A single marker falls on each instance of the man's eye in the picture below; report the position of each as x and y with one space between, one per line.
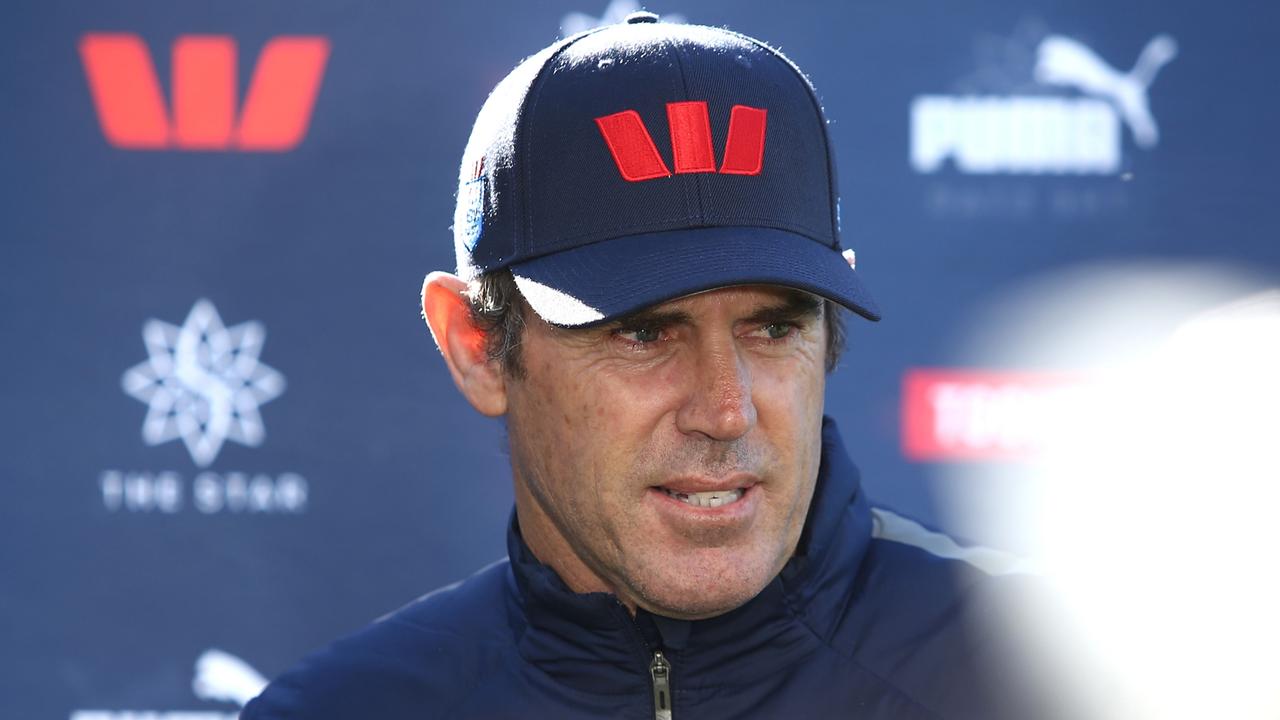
640 334
778 330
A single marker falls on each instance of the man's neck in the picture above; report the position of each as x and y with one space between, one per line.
550 548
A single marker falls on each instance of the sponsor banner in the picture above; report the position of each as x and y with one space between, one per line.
164 162
958 414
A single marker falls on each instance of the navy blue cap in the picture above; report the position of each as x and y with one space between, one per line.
644 161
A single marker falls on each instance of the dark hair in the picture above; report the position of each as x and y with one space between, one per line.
498 310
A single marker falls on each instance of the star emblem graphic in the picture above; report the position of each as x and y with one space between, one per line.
203 383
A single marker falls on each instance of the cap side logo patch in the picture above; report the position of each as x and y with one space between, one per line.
471 205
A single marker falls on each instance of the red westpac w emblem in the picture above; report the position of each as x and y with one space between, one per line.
691 148
131 109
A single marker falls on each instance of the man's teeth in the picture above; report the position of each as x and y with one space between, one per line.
716 498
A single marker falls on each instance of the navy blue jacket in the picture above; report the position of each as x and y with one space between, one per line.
859 624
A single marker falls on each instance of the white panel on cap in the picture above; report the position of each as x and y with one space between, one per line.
555 306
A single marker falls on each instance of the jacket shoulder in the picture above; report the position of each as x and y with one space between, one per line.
933 615
418 661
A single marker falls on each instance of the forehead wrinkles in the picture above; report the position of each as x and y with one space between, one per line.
750 300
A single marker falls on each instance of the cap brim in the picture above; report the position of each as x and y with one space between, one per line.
609 279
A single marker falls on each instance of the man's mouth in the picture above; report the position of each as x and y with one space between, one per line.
712 499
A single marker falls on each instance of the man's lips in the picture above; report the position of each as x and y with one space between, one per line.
721 508
707 493
699 484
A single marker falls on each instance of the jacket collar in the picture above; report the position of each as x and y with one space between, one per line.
586 639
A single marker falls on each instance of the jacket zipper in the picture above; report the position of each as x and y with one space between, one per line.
660 671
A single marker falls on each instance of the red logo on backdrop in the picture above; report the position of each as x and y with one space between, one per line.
977 415
132 112
637 157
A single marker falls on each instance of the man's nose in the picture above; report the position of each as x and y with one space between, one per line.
719 403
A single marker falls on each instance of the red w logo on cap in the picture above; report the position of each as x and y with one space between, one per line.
637 157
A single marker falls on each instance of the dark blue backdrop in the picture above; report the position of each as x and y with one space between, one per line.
344 476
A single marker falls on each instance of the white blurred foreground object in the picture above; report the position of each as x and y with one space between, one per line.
1157 524
223 677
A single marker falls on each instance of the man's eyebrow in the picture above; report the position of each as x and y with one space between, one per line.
651 317
796 306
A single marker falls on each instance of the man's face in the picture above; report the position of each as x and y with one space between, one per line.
670 458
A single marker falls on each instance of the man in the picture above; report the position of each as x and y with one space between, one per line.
649 283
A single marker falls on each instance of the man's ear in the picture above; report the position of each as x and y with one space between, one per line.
448 314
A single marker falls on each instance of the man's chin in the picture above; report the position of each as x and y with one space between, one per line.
703 608
697 594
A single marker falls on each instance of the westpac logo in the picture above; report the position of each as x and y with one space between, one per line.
692 151
132 112
1044 133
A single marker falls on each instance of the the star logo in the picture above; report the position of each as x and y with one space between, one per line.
203 382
